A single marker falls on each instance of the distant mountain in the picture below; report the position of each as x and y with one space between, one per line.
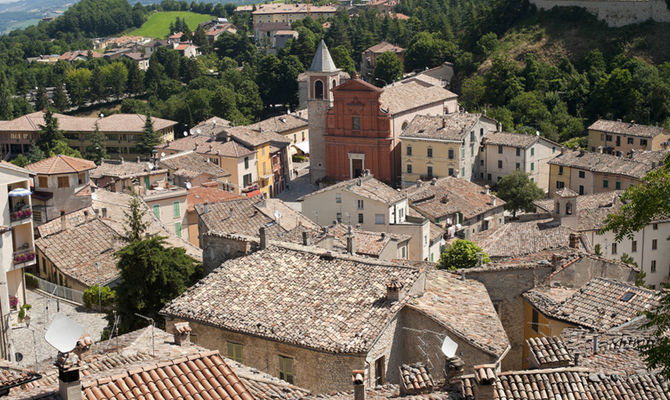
22 13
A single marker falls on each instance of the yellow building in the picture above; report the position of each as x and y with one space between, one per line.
123 132
589 173
600 305
619 138
287 13
293 127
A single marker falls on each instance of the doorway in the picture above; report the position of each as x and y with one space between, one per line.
356 167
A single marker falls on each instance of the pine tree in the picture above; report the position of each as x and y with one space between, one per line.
49 133
98 89
96 150
149 139
41 99
135 80
135 226
35 154
60 99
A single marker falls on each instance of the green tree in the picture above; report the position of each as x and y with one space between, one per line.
49 134
462 254
135 79
35 154
98 89
21 161
60 98
61 148
135 225
151 276
519 192
78 83
643 204
200 39
149 139
41 99
388 69
96 150
342 58
473 91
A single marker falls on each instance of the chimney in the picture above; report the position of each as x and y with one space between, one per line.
485 378
104 212
182 334
595 344
350 241
69 386
419 182
393 290
487 189
357 378
573 241
563 149
63 221
453 369
433 181
493 201
499 127
263 243
305 238
85 215
600 149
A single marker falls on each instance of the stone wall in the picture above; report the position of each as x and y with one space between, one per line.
580 272
219 248
615 13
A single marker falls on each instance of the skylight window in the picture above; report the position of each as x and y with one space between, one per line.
627 296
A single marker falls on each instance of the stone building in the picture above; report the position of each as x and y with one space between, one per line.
504 153
61 186
460 207
189 169
292 126
369 59
201 195
121 175
620 138
284 310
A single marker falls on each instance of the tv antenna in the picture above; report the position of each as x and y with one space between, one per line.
63 333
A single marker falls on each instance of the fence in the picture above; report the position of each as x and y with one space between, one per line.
60 291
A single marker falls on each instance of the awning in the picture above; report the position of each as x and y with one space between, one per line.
42 195
254 193
19 192
303 146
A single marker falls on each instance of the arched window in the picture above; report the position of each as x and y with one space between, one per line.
568 208
334 83
318 90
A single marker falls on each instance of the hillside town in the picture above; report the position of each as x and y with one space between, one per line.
370 236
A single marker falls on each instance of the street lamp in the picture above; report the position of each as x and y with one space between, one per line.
97 267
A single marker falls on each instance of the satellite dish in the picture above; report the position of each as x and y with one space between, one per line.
18 356
188 185
190 131
277 214
150 166
198 130
163 154
185 133
63 333
449 347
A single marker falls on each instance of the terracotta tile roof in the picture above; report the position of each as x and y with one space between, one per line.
60 164
264 386
122 123
191 164
200 194
366 243
451 127
549 350
650 157
133 123
395 15
281 124
601 304
416 378
382 47
366 186
447 196
281 8
253 137
601 162
510 139
11 376
137 56
405 96
515 238
124 169
297 295
210 127
75 251
209 145
72 55
592 209
627 128
387 392
464 308
618 351
572 383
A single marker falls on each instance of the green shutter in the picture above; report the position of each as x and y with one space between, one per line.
147 182
175 206
157 211
177 229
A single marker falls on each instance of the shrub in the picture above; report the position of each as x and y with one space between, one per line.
298 158
31 281
107 296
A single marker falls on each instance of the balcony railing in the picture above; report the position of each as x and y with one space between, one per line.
24 256
20 214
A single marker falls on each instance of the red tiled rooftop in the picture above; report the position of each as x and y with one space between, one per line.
60 164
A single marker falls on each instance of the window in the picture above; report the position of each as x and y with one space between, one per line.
286 369
532 151
147 182
613 248
175 206
560 184
295 137
451 172
43 181
429 152
654 227
488 177
379 219
451 154
633 246
44 264
303 136
157 211
409 150
500 149
429 171
63 181
234 351
608 138
379 371
360 204
535 324
617 185
518 166
403 252
481 132
81 178
356 123
630 140
472 136
318 90
532 166
409 168
338 198
246 162
518 152
338 217
481 162
654 244
500 164
553 149
582 174
360 218
560 170
581 189
247 180
643 142
463 172
606 183
653 265
177 229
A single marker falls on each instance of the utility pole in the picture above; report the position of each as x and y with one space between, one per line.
97 267
153 347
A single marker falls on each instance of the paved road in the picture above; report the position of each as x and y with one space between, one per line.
92 322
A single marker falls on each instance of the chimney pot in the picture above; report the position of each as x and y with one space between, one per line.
485 377
305 238
182 334
487 189
63 221
350 243
358 379
393 290
104 212
263 243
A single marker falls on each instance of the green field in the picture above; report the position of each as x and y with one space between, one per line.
158 24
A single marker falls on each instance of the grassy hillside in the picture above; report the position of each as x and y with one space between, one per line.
573 33
158 24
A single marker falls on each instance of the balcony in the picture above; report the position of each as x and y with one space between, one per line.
23 258
20 215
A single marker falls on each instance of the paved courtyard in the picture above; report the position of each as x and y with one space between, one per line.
22 337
